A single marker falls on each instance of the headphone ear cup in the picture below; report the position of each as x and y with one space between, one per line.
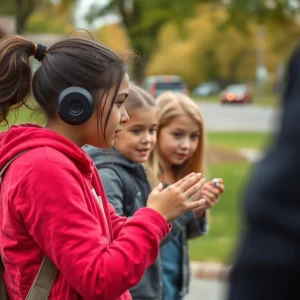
75 105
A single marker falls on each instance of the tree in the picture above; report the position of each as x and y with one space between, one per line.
22 9
143 21
212 51
263 11
119 42
50 19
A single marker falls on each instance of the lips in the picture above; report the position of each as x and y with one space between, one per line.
144 151
182 155
118 130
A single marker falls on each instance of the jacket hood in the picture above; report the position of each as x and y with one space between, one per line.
109 156
19 138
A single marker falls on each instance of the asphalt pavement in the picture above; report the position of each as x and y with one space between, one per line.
206 290
239 117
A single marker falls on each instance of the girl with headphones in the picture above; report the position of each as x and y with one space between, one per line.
53 208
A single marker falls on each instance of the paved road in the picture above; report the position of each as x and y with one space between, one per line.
206 290
238 117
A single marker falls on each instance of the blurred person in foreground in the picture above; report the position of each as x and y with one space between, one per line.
267 265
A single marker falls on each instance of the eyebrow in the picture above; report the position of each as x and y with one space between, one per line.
143 125
180 129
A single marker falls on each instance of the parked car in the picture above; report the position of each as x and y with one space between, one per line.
207 89
156 85
236 93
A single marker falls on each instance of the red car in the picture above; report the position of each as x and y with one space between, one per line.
236 93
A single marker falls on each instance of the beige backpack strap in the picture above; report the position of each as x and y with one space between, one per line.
45 278
43 282
2 171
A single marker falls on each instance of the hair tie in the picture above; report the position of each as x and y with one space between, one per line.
39 51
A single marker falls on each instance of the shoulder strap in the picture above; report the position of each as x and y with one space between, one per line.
43 282
45 278
2 171
128 198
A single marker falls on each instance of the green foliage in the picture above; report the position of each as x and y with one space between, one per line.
7 7
55 23
144 20
262 11
211 51
23 9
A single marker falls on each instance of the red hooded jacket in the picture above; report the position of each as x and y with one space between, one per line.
49 205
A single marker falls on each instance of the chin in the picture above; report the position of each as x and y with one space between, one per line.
142 160
177 163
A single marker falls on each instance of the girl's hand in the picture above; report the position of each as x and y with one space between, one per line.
175 200
211 192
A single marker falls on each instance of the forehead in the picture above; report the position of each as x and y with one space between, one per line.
184 123
124 86
143 116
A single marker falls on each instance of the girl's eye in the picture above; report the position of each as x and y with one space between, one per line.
177 135
152 130
135 131
194 137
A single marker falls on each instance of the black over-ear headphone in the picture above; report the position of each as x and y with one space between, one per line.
75 105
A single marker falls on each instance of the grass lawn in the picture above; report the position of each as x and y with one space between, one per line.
234 140
225 218
23 115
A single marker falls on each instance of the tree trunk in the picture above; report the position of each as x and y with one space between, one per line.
24 8
21 21
139 67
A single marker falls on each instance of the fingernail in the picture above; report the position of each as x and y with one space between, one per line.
203 201
199 175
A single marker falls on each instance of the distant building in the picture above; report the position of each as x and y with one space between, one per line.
46 39
7 25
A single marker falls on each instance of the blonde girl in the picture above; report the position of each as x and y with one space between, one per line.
180 149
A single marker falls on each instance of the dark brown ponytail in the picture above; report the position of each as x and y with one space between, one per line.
15 73
76 60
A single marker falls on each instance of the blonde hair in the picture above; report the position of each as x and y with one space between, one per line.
138 98
170 106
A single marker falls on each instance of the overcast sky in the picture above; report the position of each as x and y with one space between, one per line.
83 7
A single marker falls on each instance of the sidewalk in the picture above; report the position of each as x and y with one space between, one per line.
203 270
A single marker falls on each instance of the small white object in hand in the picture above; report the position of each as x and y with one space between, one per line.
215 182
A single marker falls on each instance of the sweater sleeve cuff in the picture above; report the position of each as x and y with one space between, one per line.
158 221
